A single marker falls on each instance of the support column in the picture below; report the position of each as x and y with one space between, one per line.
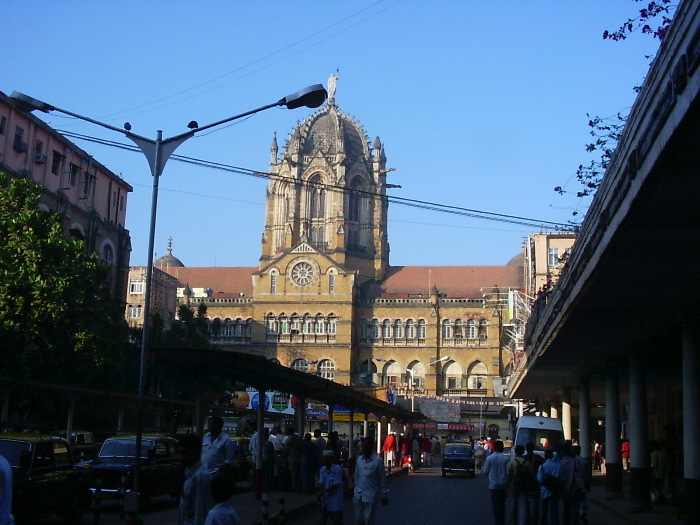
566 414
613 457
300 416
553 412
330 419
691 420
584 417
640 467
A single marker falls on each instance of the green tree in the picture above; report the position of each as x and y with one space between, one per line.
58 321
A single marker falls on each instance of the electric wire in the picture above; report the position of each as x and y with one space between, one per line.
415 203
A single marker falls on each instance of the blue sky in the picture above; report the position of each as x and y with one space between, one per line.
480 105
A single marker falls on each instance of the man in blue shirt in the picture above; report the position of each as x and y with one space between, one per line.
550 498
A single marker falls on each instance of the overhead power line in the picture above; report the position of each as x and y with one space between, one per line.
415 203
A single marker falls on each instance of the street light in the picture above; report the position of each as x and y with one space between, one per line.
157 153
413 385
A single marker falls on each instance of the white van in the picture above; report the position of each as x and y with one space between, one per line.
543 432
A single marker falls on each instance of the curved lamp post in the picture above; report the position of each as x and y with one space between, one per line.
157 153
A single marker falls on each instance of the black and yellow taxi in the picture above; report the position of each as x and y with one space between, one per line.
46 481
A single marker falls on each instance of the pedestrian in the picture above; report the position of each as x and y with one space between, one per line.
195 499
519 483
587 481
329 492
219 451
389 449
319 440
370 485
269 460
309 465
415 452
549 477
292 441
478 455
658 473
534 460
573 475
6 517
222 513
496 467
625 455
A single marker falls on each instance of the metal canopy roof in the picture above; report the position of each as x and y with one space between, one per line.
261 373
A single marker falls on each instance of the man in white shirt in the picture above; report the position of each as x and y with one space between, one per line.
496 467
370 485
218 450
329 492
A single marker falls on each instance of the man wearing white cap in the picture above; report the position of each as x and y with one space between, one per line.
330 490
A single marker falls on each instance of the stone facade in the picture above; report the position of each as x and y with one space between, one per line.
324 297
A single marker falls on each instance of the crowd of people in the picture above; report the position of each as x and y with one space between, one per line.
533 488
409 452
307 464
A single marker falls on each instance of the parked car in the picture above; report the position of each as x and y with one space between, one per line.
46 481
458 457
83 444
161 472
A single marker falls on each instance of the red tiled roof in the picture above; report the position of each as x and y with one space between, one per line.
401 281
233 280
455 281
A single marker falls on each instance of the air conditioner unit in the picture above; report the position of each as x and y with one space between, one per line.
40 158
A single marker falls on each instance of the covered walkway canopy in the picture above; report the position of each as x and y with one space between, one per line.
264 374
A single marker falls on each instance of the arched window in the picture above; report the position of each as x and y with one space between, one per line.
284 324
364 328
398 329
326 369
296 325
410 329
459 329
367 372
308 324
332 324
227 329
483 329
317 197
477 376
446 329
238 328
421 329
471 329
331 283
375 329
272 324
386 329
355 199
452 373
320 324
299 364
107 254
248 328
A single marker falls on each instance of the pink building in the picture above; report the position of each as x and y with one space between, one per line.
89 197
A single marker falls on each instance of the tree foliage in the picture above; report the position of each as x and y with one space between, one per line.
654 20
57 318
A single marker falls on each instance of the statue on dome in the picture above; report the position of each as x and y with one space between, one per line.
332 82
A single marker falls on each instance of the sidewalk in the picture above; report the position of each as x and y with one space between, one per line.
623 509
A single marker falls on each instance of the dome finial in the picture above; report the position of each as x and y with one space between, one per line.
170 245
